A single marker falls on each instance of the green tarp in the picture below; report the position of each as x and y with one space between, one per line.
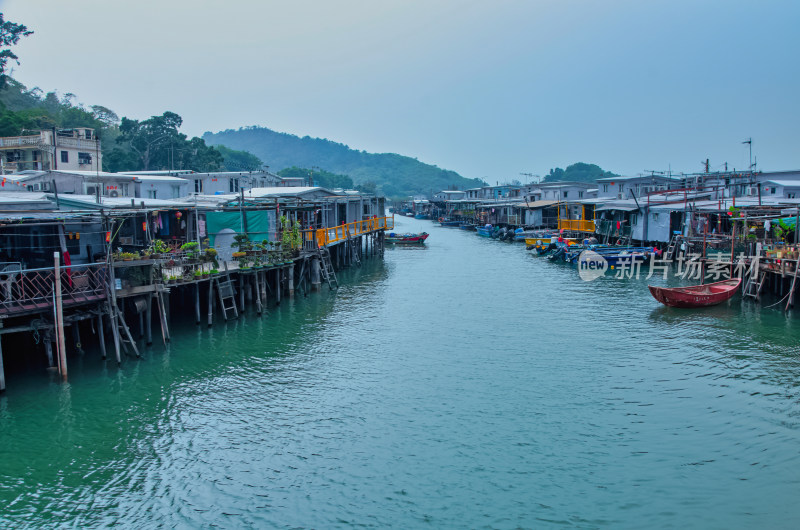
257 224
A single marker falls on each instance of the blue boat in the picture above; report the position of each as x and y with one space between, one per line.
485 231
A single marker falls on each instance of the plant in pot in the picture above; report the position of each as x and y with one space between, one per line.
211 256
157 248
214 272
242 243
198 274
191 248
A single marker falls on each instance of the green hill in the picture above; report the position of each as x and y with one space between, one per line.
579 172
391 174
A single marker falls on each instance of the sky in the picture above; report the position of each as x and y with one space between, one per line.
490 89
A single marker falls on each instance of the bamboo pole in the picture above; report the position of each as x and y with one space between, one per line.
62 350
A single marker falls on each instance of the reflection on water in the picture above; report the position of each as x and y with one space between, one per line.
461 384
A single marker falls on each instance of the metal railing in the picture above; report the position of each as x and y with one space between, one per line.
313 239
21 141
33 289
579 225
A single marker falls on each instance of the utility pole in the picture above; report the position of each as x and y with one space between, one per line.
705 165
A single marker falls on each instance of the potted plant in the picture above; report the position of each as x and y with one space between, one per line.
211 255
191 249
214 272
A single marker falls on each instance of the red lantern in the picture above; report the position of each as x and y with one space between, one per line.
178 215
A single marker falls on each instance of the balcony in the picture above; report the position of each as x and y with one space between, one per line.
21 142
577 225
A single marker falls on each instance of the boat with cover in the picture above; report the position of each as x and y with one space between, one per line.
406 239
696 295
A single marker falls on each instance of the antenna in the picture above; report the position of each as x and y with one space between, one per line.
749 143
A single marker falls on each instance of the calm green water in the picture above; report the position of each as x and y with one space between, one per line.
466 384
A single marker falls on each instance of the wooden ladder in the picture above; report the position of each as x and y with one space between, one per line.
672 248
227 295
755 281
354 252
326 268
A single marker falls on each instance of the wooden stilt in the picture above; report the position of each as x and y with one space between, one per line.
2 370
141 325
62 348
148 318
48 349
197 302
241 291
290 280
257 292
76 337
278 286
162 317
211 302
101 336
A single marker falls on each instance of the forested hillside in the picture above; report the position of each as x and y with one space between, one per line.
388 173
579 172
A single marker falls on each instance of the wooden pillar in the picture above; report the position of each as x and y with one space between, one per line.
148 320
278 286
210 302
316 281
197 302
2 371
101 335
290 280
76 337
59 324
48 349
257 291
241 291
141 324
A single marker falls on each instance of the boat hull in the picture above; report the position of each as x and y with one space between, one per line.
407 239
696 296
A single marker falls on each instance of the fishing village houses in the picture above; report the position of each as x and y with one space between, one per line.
87 255
744 222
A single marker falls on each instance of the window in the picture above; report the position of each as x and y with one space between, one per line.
580 195
655 217
791 195
176 192
772 190
233 185
565 194
605 187
634 219
151 194
198 185
84 158
65 157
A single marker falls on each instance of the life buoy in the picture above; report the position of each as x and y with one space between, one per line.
619 242
441 219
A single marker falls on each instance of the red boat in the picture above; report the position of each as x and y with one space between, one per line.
696 295
407 239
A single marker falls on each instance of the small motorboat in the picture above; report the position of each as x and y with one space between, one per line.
406 239
696 295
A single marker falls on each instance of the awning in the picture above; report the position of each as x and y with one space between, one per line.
625 208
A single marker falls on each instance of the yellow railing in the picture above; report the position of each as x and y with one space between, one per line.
579 225
326 236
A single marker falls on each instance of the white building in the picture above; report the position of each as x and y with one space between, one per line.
54 149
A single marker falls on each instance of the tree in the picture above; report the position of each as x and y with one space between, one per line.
145 138
10 33
233 160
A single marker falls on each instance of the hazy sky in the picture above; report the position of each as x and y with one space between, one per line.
486 88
